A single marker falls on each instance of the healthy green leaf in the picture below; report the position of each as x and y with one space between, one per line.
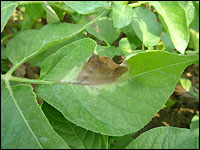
166 138
194 40
132 37
186 83
86 7
195 23
117 108
51 15
125 46
146 26
167 41
175 18
75 136
195 122
7 9
123 141
23 125
122 16
30 43
106 51
104 30
37 60
189 10
34 11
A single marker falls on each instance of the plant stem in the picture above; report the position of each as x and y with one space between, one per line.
142 46
108 45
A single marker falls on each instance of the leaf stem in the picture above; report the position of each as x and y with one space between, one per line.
142 46
107 43
35 81
18 79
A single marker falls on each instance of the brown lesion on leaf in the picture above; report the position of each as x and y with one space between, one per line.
100 70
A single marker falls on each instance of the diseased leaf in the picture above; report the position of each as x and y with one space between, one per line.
122 16
146 26
116 108
75 136
86 7
7 9
166 138
174 17
23 125
100 70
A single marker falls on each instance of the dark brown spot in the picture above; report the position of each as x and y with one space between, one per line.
100 70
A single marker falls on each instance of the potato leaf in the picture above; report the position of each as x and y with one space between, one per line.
115 108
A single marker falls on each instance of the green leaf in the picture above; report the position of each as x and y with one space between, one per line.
189 10
167 41
195 122
186 83
117 108
122 16
175 18
104 30
125 46
75 136
3 52
58 11
86 7
30 43
195 23
123 141
51 15
132 37
146 26
23 125
34 11
7 9
166 138
37 60
106 51
194 40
